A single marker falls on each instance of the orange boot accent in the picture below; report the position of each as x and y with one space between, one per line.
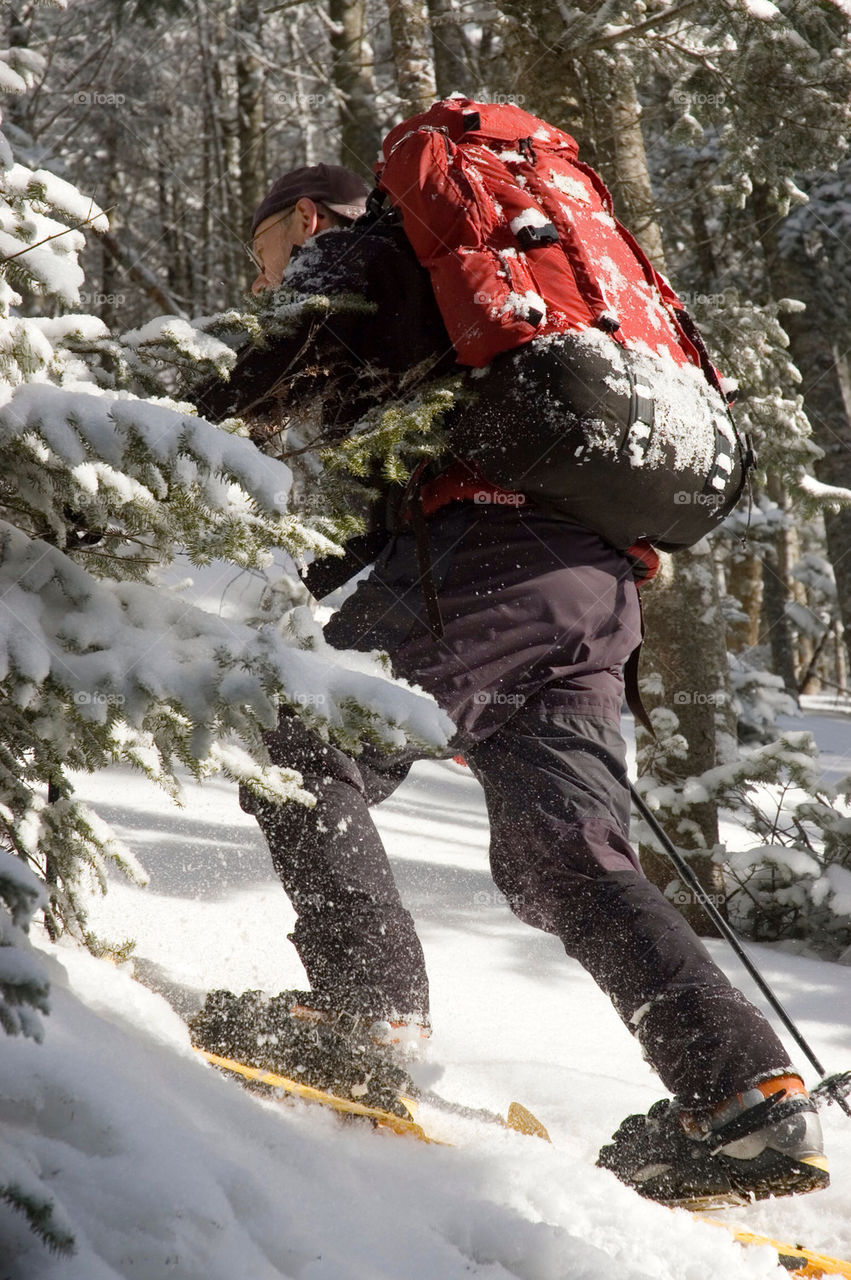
739 1102
791 1084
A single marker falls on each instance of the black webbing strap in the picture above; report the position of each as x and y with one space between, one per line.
642 411
432 604
630 681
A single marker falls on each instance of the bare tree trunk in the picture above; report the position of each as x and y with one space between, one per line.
775 624
702 237
510 61
360 133
813 348
412 54
113 278
802 641
686 643
776 627
222 221
179 280
623 143
451 51
810 681
686 653
251 119
744 582
840 657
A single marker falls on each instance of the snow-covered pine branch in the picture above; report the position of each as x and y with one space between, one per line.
118 650
821 496
142 481
794 879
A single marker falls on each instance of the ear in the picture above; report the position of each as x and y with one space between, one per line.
306 217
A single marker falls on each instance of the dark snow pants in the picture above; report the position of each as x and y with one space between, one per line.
539 617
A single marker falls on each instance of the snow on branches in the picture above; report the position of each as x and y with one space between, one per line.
792 878
130 651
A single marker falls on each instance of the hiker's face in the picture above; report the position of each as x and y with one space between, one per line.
277 236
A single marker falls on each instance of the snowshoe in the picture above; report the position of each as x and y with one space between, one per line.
764 1142
333 1050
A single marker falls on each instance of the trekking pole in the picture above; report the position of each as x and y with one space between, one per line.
834 1088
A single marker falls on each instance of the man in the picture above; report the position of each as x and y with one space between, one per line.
521 639
288 218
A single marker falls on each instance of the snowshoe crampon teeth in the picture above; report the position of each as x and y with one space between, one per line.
774 1149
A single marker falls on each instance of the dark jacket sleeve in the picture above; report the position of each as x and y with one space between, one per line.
351 353
351 360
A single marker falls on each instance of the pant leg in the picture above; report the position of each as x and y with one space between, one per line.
355 939
555 783
539 617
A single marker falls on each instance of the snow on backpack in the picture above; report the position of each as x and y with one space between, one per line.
597 398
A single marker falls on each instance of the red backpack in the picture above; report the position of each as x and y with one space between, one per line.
614 414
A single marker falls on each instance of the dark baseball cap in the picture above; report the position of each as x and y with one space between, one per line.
330 184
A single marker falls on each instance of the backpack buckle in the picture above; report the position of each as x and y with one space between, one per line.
531 237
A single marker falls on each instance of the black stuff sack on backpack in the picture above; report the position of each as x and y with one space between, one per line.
630 445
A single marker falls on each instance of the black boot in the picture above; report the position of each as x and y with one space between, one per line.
342 1052
765 1142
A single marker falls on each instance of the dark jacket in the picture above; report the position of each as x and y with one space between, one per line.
343 363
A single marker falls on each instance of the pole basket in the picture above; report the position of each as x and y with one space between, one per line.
835 1088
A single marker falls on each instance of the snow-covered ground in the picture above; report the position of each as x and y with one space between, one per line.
163 1168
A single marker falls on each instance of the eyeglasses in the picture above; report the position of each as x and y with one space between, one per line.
248 245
